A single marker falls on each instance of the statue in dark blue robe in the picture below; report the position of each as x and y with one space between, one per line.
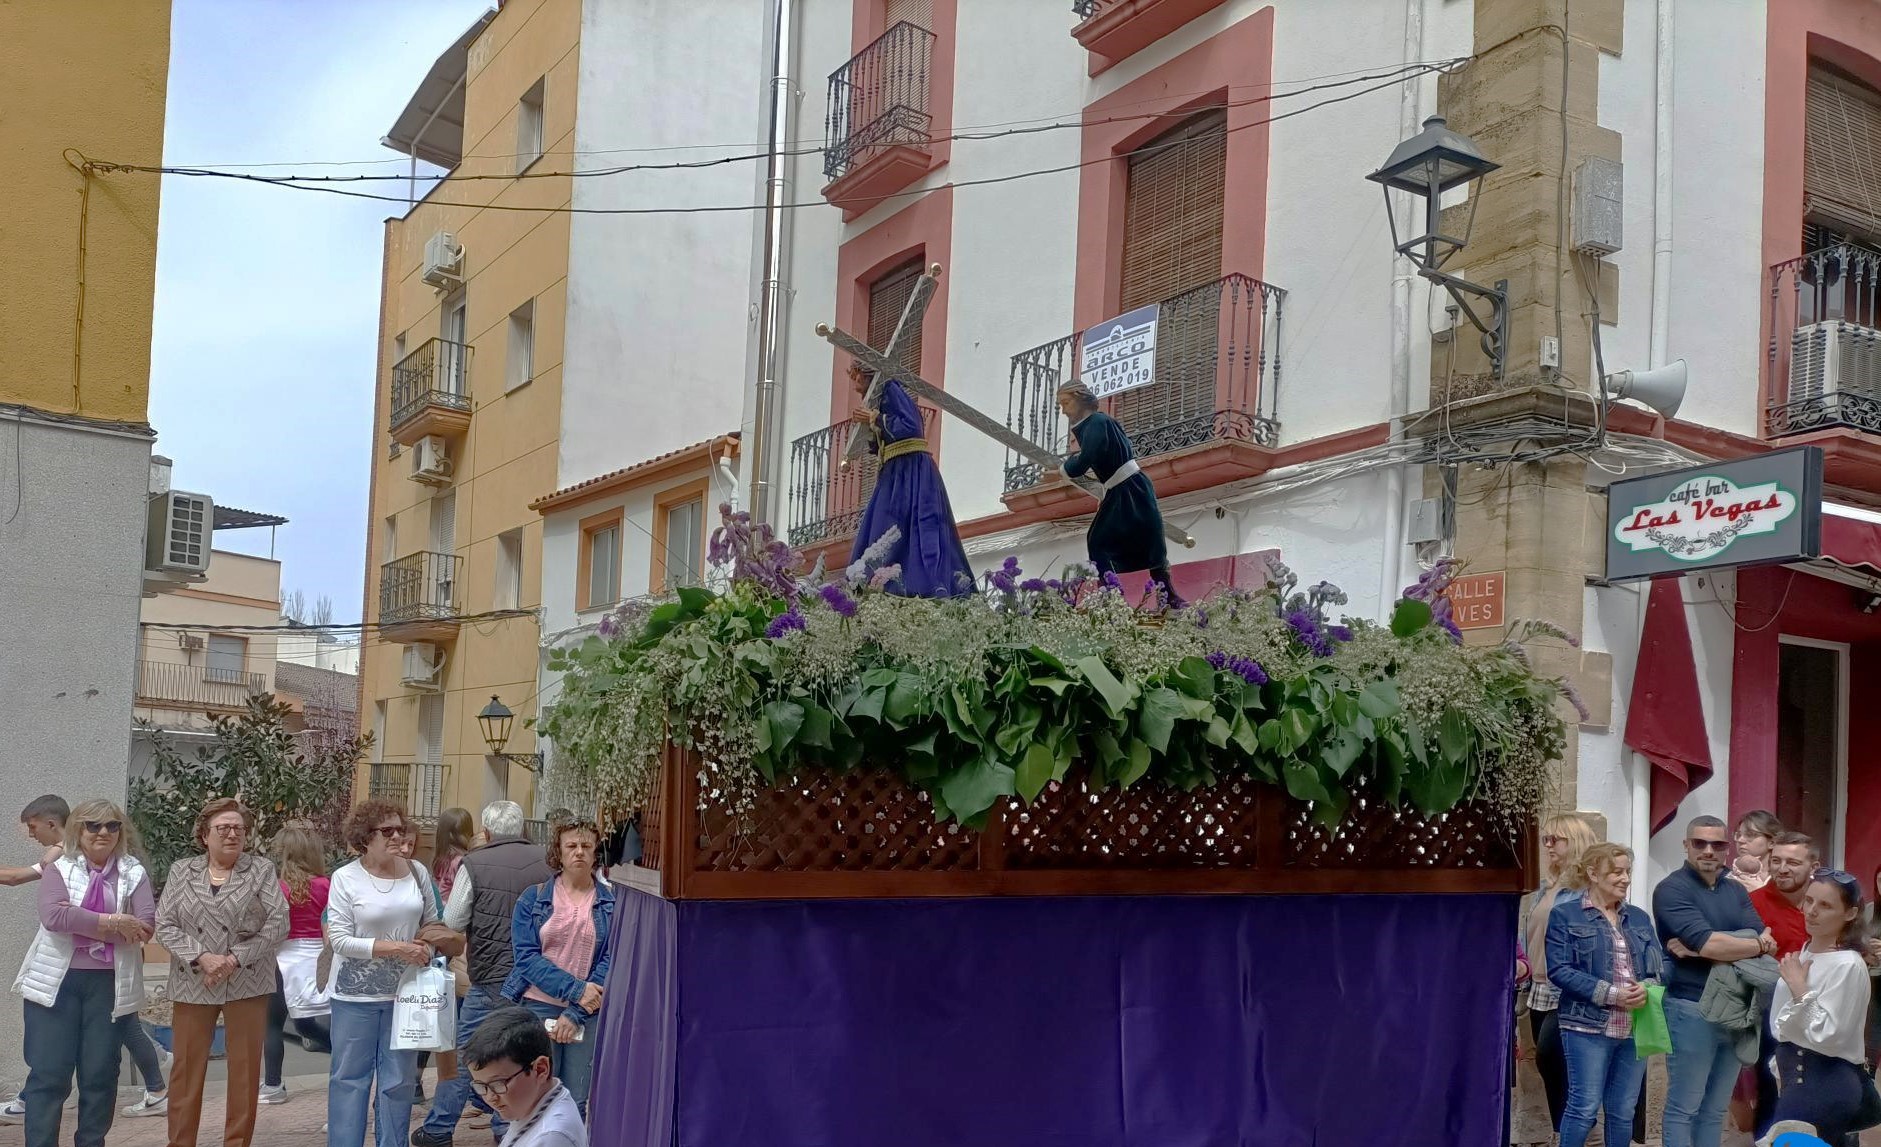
1127 533
910 496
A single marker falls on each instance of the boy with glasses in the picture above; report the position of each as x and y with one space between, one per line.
509 1062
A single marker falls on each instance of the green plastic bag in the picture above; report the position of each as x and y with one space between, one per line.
1650 1035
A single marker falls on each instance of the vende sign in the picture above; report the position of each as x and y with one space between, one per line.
1120 354
1748 512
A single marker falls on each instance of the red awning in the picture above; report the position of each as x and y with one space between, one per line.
1851 537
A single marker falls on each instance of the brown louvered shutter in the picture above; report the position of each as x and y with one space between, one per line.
1842 151
1172 221
888 295
920 13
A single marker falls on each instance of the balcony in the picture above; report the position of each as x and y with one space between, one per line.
877 136
169 685
1112 30
431 392
418 787
1217 368
390 781
827 497
420 597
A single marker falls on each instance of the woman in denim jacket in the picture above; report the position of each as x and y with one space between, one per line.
561 931
1601 954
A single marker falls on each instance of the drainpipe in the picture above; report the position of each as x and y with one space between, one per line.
772 292
1403 277
1656 356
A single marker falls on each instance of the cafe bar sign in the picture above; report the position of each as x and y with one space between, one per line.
1753 511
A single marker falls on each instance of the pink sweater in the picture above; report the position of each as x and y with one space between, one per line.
59 914
567 938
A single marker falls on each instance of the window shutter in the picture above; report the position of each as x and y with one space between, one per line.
888 297
1842 150
1172 224
917 12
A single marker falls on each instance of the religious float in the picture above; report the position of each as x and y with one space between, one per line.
1040 865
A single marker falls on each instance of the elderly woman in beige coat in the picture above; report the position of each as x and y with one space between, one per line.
221 918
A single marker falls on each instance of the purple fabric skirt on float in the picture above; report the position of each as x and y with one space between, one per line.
1200 1021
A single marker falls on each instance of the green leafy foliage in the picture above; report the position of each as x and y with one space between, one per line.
254 757
983 699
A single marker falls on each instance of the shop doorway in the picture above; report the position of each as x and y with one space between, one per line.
1812 741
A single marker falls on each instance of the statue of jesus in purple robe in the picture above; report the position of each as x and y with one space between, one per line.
910 496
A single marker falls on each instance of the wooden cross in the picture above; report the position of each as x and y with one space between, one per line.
887 364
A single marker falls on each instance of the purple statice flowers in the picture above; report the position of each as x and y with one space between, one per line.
789 621
838 599
1246 668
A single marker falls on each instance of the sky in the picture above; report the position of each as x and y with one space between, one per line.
263 352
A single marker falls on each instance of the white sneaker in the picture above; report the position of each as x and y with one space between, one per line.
14 1113
150 1104
273 1095
164 1060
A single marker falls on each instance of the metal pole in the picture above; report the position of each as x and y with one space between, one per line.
772 291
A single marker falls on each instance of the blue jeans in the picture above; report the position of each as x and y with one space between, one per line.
75 1036
1600 1071
447 1106
362 1054
1700 1073
573 1063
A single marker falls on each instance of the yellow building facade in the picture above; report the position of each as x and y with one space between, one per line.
468 401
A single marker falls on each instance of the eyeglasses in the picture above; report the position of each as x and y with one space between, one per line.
229 829
496 1087
392 831
1836 876
109 826
1713 845
1551 840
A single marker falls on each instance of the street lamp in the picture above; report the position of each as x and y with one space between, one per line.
1428 164
495 721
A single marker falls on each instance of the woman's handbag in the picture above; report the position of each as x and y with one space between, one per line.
424 1016
1651 1036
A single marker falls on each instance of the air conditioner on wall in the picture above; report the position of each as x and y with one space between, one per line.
1832 357
423 667
444 262
179 532
430 464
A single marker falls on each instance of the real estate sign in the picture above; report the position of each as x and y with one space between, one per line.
1753 511
1120 354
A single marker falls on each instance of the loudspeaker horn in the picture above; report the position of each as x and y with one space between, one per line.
1662 388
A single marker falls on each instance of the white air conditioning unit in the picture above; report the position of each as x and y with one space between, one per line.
429 462
444 262
189 642
178 534
422 668
1832 357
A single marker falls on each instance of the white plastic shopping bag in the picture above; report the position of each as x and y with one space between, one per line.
425 1016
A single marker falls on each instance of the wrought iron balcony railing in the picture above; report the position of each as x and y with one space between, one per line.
421 587
436 374
879 100
827 497
1217 369
197 686
1085 9
390 781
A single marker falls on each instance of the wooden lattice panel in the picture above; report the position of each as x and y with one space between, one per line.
650 821
863 821
1146 827
1374 835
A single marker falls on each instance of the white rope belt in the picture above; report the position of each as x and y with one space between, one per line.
1123 474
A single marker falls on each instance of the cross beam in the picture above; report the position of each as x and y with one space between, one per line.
886 367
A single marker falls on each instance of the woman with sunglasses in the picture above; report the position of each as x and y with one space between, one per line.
221 918
376 907
85 969
1820 1009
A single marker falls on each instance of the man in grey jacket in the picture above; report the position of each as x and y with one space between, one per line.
483 898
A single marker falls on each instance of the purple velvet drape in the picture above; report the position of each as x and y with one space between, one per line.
631 1100
1297 1021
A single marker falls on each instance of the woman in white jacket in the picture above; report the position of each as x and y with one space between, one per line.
84 970
1819 1010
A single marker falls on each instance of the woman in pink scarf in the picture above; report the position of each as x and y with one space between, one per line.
85 969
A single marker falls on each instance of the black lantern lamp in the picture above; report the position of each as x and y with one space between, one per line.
495 720
1428 164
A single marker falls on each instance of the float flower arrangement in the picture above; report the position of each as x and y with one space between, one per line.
998 694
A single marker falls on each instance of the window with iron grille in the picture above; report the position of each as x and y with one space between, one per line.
1172 240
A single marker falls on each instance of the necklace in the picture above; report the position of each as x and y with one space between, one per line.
383 891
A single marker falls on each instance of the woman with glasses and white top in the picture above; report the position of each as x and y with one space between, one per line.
85 969
1819 1011
376 907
